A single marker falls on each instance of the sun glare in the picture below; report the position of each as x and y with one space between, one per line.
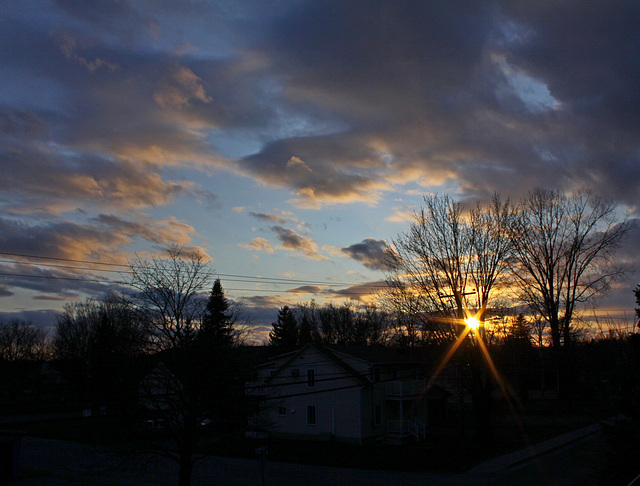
472 322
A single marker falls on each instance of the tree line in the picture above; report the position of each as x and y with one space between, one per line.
544 256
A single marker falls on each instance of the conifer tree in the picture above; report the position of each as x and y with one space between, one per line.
285 330
217 322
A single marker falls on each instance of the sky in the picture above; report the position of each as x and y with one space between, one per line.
292 140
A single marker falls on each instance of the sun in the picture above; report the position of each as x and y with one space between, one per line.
472 322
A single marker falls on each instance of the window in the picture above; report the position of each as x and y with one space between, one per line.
311 378
311 415
295 372
282 411
377 414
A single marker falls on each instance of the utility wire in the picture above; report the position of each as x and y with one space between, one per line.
79 279
52 277
62 266
22 255
248 278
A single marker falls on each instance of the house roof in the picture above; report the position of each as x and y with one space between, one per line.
375 355
335 353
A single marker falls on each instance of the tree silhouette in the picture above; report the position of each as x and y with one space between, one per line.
449 263
167 294
95 343
563 249
218 320
444 269
21 340
285 329
563 257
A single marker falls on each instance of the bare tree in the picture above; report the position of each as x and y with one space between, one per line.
346 323
95 344
491 247
20 340
75 329
563 248
104 326
445 269
167 292
450 261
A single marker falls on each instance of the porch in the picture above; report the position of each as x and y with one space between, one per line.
399 430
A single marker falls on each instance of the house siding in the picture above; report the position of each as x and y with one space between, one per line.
333 395
345 391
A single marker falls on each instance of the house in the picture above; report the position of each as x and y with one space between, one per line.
349 393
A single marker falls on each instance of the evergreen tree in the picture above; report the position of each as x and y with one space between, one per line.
217 322
305 332
285 330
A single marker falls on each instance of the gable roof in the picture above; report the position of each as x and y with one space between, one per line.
327 353
373 356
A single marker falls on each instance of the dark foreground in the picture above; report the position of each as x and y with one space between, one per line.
574 459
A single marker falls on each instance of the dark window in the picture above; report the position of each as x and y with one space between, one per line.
377 414
311 414
282 411
295 372
311 377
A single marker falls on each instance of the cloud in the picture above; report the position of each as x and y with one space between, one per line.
57 284
19 123
103 239
326 170
472 97
162 231
290 240
270 218
68 46
40 318
369 252
122 108
180 88
367 292
258 244
482 105
400 215
4 292
40 179
308 289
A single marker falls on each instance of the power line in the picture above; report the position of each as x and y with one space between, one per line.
62 266
248 278
241 278
22 255
84 279
53 277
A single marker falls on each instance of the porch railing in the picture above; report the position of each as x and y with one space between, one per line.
405 428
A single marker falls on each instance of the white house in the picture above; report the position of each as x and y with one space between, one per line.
350 393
